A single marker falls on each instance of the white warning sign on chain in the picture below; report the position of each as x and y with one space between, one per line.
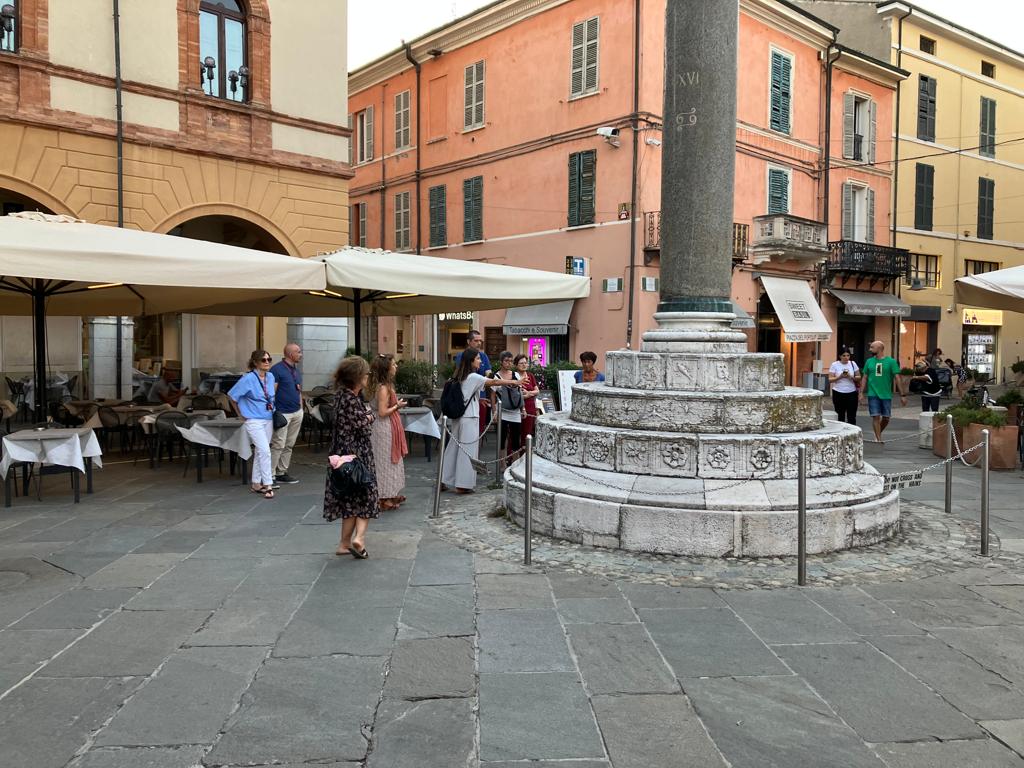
899 480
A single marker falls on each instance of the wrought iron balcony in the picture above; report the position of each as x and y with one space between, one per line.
850 259
782 237
652 238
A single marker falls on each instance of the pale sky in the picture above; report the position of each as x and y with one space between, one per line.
376 27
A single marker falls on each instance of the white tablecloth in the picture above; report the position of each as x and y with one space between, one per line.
421 421
61 447
228 434
56 388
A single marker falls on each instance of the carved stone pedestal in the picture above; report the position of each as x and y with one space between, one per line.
690 448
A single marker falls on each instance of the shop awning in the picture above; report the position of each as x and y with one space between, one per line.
799 313
539 319
743 319
870 303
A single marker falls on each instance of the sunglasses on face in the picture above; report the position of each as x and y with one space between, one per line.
265 359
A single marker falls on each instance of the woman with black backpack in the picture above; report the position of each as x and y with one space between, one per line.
464 440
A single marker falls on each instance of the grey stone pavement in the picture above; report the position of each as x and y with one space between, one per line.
165 624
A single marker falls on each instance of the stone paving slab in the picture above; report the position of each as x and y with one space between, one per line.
22 651
966 612
619 658
323 626
1011 597
433 668
251 616
438 611
45 720
76 609
188 699
496 592
159 757
962 754
437 733
595 610
522 640
194 584
877 698
303 710
746 715
127 643
184 542
442 566
133 571
558 724
284 570
999 649
709 643
787 616
1009 732
860 612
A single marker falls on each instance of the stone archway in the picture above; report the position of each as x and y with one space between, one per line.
241 219
17 195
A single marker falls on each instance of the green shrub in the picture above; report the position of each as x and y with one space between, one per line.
414 377
907 372
444 372
990 418
1010 397
965 412
365 355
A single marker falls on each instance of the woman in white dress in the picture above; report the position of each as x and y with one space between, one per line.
464 442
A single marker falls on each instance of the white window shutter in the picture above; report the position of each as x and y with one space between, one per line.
849 122
351 141
591 59
872 130
478 107
368 130
869 235
576 72
847 212
468 104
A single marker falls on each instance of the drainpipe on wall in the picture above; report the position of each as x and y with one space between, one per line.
118 108
419 199
635 123
826 197
896 178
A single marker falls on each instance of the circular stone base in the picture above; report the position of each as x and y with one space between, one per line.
710 518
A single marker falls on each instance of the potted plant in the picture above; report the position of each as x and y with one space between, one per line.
1012 400
1002 438
1018 371
963 413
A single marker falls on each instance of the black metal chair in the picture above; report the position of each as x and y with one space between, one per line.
62 415
320 389
111 424
204 403
17 392
165 434
323 426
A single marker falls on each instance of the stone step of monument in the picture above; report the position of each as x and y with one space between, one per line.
833 449
789 410
711 518
746 372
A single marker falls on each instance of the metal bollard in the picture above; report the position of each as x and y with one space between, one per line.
801 516
985 455
440 468
528 505
949 465
497 449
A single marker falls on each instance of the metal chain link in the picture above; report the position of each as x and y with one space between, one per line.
960 454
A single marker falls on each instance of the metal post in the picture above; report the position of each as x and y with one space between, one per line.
985 454
497 450
440 468
528 505
801 516
949 465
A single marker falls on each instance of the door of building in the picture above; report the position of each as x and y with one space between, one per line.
495 343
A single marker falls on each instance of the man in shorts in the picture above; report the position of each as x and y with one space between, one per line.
880 373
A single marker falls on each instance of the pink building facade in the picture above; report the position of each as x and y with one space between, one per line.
529 134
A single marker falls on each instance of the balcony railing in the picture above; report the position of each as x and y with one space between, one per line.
652 236
782 236
867 260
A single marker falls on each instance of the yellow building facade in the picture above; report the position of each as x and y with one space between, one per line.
958 204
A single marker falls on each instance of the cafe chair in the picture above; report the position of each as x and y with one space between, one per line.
166 435
17 393
204 403
111 424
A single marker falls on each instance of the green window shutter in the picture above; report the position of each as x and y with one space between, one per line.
574 189
588 169
849 120
926 90
781 71
872 132
438 216
924 191
847 212
869 234
778 191
472 209
986 207
987 139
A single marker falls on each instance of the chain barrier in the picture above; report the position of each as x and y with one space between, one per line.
960 454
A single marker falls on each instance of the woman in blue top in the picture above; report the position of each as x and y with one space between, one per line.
589 372
253 398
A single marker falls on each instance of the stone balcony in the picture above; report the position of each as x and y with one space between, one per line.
652 239
784 237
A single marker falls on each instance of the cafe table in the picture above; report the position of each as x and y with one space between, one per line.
76 448
227 434
421 421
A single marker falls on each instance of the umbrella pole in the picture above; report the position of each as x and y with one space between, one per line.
39 326
358 321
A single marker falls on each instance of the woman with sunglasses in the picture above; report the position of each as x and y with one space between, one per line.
253 399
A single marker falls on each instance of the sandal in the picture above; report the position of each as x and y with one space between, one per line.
358 553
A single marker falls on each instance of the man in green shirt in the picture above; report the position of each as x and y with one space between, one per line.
880 373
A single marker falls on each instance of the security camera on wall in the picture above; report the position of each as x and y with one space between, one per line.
610 134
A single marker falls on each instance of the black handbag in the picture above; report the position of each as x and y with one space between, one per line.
351 477
280 422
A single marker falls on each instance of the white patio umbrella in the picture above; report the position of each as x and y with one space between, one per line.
62 266
366 282
1002 289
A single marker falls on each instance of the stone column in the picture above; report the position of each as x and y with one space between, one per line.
323 341
103 357
698 155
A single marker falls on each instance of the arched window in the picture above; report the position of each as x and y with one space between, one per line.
222 49
9 26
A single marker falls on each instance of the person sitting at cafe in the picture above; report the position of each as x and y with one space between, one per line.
165 390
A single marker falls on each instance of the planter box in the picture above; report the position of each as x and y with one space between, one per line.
1002 445
939 437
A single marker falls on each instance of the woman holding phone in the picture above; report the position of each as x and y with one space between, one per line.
844 376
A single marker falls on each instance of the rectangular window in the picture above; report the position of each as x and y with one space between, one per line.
364 135
925 268
582 167
924 196
9 37
778 190
438 216
402 120
987 138
473 209
986 207
927 45
926 88
858 220
781 91
988 69
975 267
611 285
649 284
583 79
402 221
859 128
357 227
474 101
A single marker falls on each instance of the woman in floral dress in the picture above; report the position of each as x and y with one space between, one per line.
387 434
351 437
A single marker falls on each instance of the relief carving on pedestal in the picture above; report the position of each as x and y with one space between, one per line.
651 376
762 458
686 373
635 455
676 456
718 458
570 445
598 450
